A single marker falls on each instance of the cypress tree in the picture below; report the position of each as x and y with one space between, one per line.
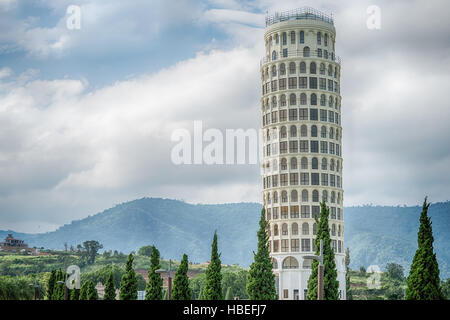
181 289
155 282
110 290
423 282
51 284
213 283
228 294
260 278
330 283
74 294
84 291
91 291
58 289
128 284
348 290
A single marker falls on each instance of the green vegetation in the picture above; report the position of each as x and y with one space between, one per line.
348 288
110 289
129 283
330 283
213 286
154 285
261 280
181 289
423 282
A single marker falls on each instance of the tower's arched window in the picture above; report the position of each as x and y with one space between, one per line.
268 198
306 51
277 38
331 133
322 68
274 70
323 100
292 67
290 263
315 196
268 218
332 196
323 132
274 264
292 37
314 131
337 166
325 40
275 230
293 131
313 99
283 133
302 67
335 72
330 101
274 55
284 197
305 229
333 229
339 230
314 163
282 69
292 99
314 228
274 102
284 229
332 164
302 37
324 164
325 195
275 197
294 196
294 229
330 70
337 134
283 164
338 198
304 163
303 99
294 163
319 37
283 100
304 130
312 68
284 38
305 195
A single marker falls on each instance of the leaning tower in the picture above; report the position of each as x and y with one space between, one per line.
302 146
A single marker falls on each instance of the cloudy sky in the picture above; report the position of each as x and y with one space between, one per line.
86 115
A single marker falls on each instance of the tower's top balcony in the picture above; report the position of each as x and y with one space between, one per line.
298 14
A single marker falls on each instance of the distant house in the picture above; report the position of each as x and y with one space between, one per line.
12 244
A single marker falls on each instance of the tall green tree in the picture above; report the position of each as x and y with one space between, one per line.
110 290
90 251
155 281
51 284
213 284
74 294
330 283
91 293
84 290
59 286
129 284
423 282
348 289
181 289
260 278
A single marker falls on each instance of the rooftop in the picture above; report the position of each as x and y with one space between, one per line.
297 14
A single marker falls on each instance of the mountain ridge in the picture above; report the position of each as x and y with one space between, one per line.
374 234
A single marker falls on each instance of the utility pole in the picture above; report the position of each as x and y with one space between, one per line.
169 279
320 273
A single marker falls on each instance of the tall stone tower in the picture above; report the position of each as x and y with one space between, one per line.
302 146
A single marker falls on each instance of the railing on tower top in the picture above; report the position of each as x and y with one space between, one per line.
300 53
297 14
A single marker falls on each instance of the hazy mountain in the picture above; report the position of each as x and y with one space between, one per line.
374 234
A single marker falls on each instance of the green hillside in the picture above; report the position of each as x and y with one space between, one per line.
374 234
